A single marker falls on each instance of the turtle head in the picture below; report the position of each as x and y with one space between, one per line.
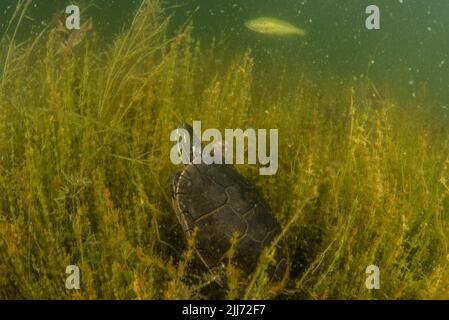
187 137
187 127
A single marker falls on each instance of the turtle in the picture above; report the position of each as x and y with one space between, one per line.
219 203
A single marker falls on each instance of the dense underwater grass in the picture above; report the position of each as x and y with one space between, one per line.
84 173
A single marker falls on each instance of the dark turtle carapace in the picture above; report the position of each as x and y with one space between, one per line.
219 203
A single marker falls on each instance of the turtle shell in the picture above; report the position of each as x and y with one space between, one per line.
218 201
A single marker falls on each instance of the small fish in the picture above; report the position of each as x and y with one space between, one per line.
275 27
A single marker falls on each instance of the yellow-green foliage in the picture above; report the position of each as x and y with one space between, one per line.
85 168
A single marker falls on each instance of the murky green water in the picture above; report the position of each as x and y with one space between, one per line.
409 54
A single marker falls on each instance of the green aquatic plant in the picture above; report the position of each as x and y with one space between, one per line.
85 167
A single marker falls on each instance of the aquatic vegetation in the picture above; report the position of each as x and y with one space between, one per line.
85 169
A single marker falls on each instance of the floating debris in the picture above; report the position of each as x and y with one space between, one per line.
275 27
